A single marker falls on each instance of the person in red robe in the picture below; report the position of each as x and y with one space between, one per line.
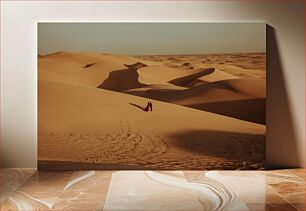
149 107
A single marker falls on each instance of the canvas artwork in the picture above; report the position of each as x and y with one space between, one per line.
179 96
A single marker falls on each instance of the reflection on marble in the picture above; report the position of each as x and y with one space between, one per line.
153 190
287 184
39 192
11 179
86 191
149 190
299 206
298 172
213 193
271 207
248 186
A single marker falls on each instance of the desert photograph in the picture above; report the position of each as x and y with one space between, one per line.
158 96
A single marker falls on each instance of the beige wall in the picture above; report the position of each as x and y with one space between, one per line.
286 67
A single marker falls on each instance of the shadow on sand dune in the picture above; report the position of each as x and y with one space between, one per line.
253 110
182 150
137 106
187 80
58 165
124 79
171 95
237 150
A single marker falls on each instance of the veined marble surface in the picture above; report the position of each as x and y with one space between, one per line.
12 179
149 190
27 189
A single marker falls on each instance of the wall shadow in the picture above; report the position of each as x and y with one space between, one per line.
281 140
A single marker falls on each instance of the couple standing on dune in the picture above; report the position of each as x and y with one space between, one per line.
149 106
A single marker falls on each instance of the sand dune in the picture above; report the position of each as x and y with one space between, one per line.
94 135
158 74
246 109
225 90
222 93
89 57
245 61
217 75
58 96
189 79
238 71
88 69
205 112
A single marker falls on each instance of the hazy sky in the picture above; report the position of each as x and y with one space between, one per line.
152 38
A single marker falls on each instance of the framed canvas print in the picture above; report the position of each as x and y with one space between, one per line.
151 96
